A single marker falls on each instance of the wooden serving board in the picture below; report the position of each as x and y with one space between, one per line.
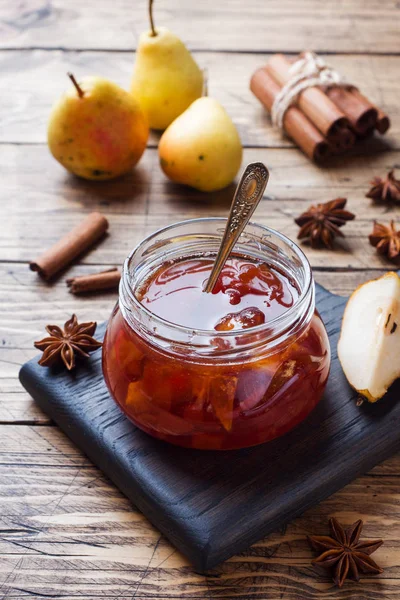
211 504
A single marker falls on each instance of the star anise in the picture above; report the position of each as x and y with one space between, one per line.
386 239
343 553
320 224
64 344
385 190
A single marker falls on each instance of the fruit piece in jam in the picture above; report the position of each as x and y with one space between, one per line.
218 403
248 317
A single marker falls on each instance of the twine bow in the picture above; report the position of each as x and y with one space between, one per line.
308 71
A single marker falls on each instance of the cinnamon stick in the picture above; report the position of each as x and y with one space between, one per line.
368 133
383 122
295 123
79 239
96 282
361 114
321 111
342 141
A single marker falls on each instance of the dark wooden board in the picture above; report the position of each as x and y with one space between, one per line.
212 505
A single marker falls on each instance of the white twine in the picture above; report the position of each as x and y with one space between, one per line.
309 71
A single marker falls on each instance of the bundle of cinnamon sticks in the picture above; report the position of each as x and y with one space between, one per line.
324 121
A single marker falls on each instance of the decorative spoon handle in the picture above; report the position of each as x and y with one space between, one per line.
247 196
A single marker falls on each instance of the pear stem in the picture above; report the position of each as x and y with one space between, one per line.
80 91
204 91
153 31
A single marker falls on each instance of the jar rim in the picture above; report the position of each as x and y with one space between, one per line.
127 284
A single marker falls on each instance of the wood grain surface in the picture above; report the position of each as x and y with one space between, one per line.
65 530
364 26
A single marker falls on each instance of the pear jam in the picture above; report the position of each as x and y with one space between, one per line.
250 389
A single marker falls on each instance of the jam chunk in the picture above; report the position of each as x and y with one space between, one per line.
248 317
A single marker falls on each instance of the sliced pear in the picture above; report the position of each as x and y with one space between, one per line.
369 344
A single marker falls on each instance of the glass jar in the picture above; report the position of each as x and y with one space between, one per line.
212 389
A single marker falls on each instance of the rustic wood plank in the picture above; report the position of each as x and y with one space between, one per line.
278 25
142 202
38 304
74 534
31 304
16 406
38 77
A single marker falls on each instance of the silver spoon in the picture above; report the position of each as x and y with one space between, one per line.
247 196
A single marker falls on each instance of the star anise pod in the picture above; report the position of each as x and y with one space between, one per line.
320 224
343 553
63 345
386 239
385 190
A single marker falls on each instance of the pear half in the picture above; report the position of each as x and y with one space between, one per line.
369 344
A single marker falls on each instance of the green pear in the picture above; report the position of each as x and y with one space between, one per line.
166 79
202 147
97 130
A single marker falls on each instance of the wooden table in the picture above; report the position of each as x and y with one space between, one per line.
66 532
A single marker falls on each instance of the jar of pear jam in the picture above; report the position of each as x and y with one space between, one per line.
233 368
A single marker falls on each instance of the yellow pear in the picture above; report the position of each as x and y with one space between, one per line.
97 130
202 147
166 79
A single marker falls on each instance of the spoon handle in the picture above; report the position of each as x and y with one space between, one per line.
247 196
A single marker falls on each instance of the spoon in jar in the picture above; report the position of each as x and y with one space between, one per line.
246 199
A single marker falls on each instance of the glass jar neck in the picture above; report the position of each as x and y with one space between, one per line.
201 238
